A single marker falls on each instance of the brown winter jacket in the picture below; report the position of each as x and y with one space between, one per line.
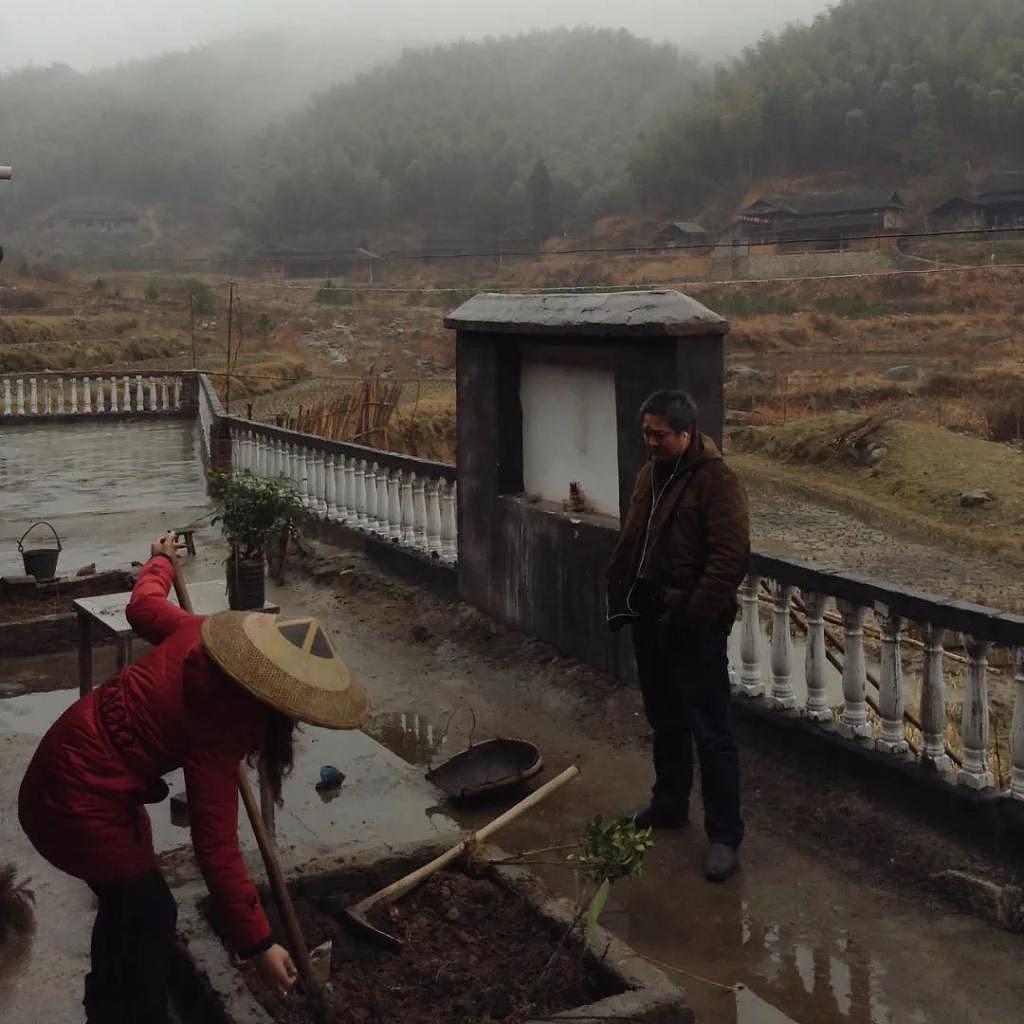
699 541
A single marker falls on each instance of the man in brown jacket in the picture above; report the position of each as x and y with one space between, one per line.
681 556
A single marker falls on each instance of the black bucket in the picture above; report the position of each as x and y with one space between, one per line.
246 584
40 562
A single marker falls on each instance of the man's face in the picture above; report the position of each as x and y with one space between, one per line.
662 441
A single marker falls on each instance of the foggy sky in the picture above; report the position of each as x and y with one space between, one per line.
96 33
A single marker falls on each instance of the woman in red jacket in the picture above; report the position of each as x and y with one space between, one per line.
211 692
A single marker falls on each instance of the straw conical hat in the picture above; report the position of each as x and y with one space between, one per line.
290 665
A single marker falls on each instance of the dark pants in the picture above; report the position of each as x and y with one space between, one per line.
684 677
132 942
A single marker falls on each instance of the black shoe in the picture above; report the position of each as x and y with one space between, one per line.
660 816
722 863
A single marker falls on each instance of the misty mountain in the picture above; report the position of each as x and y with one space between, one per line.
879 88
467 137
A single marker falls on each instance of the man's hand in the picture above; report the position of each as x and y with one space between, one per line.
165 544
276 968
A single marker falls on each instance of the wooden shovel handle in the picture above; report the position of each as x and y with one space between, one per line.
415 878
181 590
280 890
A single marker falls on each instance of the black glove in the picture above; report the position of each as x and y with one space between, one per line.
647 599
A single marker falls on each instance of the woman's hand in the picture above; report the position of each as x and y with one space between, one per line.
166 544
276 968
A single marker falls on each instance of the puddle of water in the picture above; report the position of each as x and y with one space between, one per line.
408 734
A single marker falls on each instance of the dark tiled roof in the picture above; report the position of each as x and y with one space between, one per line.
1001 183
819 203
688 227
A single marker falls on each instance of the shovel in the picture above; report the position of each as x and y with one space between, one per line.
311 978
356 915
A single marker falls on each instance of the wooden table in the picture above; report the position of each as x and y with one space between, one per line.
104 617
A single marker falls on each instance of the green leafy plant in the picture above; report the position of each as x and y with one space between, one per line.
611 851
16 902
152 293
252 509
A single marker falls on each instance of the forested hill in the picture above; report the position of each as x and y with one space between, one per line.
873 86
469 137
167 130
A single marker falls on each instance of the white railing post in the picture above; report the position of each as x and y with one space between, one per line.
47 396
750 639
153 407
419 512
372 521
893 739
101 396
382 500
233 434
351 492
140 402
854 722
340 488
394 505
19 387
302 456
7 397
434 517
86 395
177 392
450 523
933 702
782 696
408 532
320 459
33 397
128 395
975 772
330 486
73 384
165 398
816 658
362 495
288 462
1017 740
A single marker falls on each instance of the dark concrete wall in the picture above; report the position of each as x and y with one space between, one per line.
533 565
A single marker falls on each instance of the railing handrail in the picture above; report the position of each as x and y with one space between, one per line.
391 460
95 373
211 395
981 622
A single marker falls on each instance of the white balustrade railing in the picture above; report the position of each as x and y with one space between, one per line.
73 394
407 501
888 628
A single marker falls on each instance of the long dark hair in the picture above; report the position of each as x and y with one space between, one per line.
276 756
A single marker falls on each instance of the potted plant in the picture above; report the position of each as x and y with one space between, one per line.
253 512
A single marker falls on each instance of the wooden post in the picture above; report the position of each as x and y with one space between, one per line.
84 654
231 315
192 325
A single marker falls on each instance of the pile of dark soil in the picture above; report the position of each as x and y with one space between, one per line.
472 951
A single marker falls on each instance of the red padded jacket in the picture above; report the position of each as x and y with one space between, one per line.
81 798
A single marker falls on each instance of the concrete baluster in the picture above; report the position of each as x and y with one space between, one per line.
815 658
394 505
382 501
750 639
47 396
304 475
73 383
86 395
320 459
7 398
20 396
782 696
128 396
257 453
854 722
101 396
890 695
165 397
933 702
289 463
153 407
1017 739
362 501
140 401
372 519
419 512
341 486
233 434
434 517
330 486
449 523
33 397
975 772
177 392
408 532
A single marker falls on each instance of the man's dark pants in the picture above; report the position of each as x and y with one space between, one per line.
684 677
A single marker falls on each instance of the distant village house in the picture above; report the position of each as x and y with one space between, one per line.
97 218
318 256
822 222
683 234
998 203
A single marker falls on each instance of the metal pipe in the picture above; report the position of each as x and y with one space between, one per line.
6 173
